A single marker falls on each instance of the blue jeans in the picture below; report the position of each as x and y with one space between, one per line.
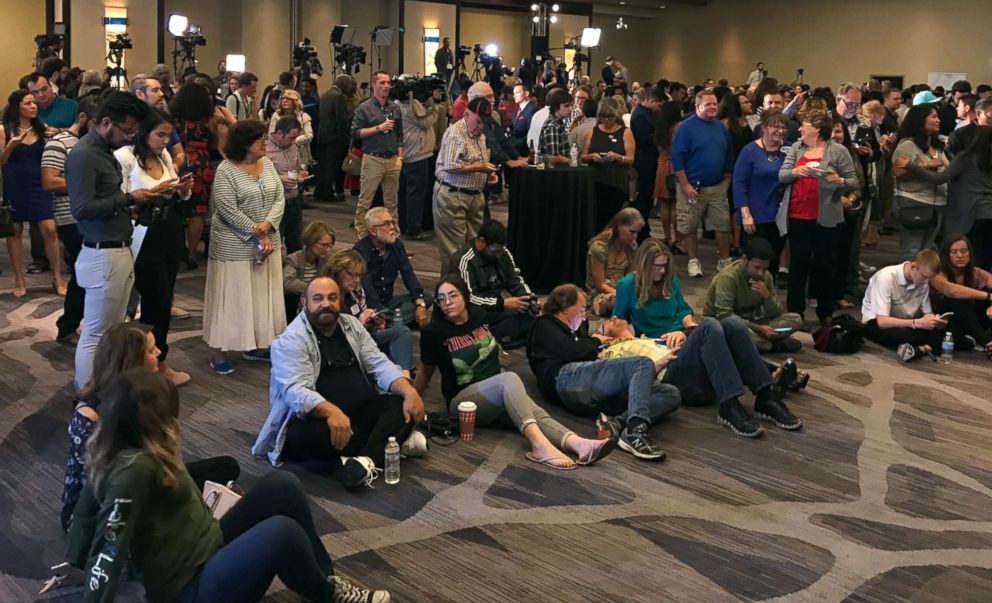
625 387
268 533
716 361
397 344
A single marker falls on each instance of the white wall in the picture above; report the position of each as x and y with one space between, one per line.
417 16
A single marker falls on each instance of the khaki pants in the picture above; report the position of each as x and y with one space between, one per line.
790 319
457 219
376 171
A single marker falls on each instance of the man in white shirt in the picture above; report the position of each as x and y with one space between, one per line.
896 309
536 125
754 78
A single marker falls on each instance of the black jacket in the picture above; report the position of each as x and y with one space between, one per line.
335 119
551 345
501 149
486 281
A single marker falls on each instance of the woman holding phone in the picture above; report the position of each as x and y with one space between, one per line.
160 230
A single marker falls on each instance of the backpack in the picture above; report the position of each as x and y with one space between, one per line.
841 335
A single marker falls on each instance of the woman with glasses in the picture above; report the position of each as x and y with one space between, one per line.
610 258
300 267
458 341
714 360
347 267
291 105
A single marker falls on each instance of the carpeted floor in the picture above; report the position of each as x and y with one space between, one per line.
886 495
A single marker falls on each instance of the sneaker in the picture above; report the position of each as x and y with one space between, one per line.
774 410
356 471
610 425
36 268
415 446
178 313
739 421
908 352
257 356
636 442
346 592
974 344
221 368
695 268
723 263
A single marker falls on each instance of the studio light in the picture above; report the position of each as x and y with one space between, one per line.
178 25
555 7
590 37
235 63
620 23
492 50
534 7
535 19
553 18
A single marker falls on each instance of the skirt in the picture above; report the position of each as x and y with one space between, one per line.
243 307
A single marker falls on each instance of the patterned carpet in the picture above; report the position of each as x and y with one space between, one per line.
886 495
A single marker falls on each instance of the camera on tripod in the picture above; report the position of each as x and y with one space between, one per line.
422 88
305 59
463 51
350 57
193 37
121 42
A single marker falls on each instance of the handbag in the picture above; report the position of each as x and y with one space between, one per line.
352 164
918 215
6 221
218 498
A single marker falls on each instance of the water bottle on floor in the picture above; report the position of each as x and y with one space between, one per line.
392 462
947 348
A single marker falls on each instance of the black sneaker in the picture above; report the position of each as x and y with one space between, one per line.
611 425
775 411
786 377
346 592
739 421
636 442
356 471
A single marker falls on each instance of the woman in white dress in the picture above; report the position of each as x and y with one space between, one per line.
243 305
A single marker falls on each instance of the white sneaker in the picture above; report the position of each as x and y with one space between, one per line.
346 592
723 263
695 267
178 313
415 446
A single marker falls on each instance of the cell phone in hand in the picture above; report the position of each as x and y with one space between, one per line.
946 315
784 329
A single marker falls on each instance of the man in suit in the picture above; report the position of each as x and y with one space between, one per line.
444 61
333 138
608 72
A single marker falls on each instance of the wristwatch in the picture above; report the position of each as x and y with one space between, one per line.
421 303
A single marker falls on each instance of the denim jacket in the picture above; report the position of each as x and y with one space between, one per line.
295 367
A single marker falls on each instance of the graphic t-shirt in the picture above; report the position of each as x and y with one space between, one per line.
464 354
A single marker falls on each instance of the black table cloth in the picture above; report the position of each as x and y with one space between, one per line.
552 216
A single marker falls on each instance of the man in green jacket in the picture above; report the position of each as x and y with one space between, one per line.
747 289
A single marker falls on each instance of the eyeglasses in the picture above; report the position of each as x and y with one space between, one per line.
443 299
324 245
389 223
354 274
127 132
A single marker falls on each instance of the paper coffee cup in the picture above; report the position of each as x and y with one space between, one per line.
466 420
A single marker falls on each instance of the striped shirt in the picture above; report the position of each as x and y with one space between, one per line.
241 201
53 157
458 149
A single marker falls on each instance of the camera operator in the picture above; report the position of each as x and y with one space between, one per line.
419 117
378 124
444 61
333 138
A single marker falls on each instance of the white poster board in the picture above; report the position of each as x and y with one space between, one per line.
944 78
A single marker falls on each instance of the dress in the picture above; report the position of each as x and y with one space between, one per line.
22 183
196 137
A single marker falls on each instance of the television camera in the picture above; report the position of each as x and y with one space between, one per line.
422 88
305 60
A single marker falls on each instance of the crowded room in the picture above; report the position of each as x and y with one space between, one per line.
433 301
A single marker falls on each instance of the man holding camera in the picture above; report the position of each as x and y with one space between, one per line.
379 125
494 284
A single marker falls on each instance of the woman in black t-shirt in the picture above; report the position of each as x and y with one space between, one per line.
459 342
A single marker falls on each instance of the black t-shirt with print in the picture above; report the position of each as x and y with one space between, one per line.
464 354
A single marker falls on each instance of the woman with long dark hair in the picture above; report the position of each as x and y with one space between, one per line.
22 141
920 201
732 115
160 229
966 290
142 508
667 120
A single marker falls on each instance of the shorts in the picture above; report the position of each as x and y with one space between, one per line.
710 208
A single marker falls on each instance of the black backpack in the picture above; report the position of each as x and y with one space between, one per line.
841 335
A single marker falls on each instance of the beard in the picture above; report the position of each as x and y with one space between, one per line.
323 318
388 239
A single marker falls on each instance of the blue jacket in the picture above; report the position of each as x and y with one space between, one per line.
295 368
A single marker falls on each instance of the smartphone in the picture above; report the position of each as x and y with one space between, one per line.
784 329
946 315
186 176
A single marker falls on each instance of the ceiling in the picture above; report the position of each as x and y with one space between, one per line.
642 8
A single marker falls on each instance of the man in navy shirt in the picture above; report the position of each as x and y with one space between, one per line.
385 259
702 156
646 153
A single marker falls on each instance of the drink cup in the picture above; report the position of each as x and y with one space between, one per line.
466 420
292 175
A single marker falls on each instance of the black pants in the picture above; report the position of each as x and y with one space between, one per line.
155 272
510 326
769 232
269 533
644 200
609 200
847 260
812 252
414 195
72 311
218 469
892 338
981 243
969 319
330 176
373 422
291 227
38 255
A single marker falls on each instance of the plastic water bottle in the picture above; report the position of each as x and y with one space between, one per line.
573 156
947 348
538 160
397 317
392 461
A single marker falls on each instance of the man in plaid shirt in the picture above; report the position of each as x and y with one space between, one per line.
554 134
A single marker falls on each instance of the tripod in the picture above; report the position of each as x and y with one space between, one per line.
478 71
117 74
183 57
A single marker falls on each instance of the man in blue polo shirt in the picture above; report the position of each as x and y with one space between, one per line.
702 156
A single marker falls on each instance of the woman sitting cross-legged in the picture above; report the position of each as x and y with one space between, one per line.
610 258
300 267
714 359
459 342
124 346
966 290
142 508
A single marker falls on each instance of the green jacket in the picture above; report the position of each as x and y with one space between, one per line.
166 534
730 293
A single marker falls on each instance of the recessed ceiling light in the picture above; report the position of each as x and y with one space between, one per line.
622 3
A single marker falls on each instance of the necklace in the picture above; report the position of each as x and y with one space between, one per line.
773 156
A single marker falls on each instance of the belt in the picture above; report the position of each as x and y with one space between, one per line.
467 191
107 244
382 155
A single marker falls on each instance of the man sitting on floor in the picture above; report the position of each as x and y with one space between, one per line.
323 405
385 259
896 309
747 289
489 270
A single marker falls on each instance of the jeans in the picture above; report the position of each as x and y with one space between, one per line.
812 253
716 361
892 338
414 181
912 240
397 344
618 386
269 533
504 394
72 312
407 308
789 319
291 227
107 276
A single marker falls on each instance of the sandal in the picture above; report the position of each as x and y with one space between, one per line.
550 461
802 380
609 445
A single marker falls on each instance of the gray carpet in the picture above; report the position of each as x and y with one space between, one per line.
886 495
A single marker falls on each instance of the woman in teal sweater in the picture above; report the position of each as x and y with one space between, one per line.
650 297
